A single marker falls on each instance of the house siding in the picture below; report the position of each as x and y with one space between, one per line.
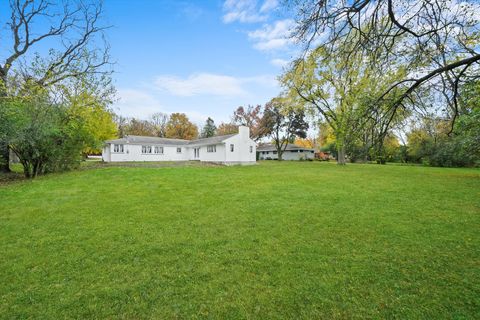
241 151
222 154
133 152
287 155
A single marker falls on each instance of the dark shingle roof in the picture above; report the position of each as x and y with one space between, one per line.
167 141
290 147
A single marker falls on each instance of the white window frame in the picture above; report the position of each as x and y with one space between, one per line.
251 149
212 148
179 149
232 147
117 148
158 150
147 149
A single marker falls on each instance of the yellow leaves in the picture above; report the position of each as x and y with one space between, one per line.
306 143
180 127
95 118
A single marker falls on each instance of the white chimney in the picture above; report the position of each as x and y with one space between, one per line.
244 131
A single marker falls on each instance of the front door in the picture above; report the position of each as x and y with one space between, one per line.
196 153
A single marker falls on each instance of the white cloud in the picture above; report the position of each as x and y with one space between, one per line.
273 37
269 5
279 62
244 11
201 83
209 84
247 11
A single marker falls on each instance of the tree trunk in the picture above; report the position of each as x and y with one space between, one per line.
341 154
280 154
4 151
4 158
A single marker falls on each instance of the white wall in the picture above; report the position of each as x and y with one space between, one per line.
287 155
218 156
241 150
106 153
133 152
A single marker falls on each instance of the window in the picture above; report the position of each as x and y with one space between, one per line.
179 150
274 152
159 150
251 149
146 149
118 148
212 148
231 148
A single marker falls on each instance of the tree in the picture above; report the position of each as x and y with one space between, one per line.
122 124
97 119
47 137
436 43
284 123
159 121
227 128
252 118
209 129
308 142
332 88
74 25
139 127
179 127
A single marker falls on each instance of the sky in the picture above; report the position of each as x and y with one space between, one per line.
203 58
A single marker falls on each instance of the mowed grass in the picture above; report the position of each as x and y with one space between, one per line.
278 240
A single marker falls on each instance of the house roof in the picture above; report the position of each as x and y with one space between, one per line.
147 140
211 140
166 141
290 147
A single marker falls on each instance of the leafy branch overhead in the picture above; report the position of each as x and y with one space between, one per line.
434 42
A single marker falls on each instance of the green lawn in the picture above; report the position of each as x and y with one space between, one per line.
278 240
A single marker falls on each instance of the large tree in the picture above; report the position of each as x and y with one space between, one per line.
227 128
159 120
96 119
74 31
138 127
284 123
337 88
180 127
435 41
252 118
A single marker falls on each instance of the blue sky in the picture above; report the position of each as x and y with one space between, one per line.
204 58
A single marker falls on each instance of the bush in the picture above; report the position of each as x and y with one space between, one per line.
47 138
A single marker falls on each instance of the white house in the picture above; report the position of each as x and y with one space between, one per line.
292 152
229 149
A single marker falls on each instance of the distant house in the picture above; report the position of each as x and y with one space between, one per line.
292 152
229 149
